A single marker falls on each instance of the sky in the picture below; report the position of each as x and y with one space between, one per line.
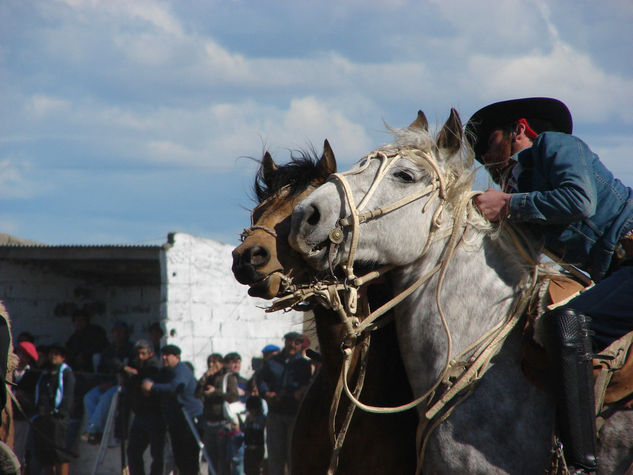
122 121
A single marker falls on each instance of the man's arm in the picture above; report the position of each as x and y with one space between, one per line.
569 194
175 384
264 379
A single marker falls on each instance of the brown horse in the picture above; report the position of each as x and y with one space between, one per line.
375 443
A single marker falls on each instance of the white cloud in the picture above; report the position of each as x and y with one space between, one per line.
308 117
241 129
165 151
40 106
592 94
13 184
156 13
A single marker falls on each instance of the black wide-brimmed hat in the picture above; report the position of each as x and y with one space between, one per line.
546 114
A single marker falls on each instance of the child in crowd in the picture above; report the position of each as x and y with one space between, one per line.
254 436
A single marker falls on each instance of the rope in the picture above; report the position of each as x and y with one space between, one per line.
339 438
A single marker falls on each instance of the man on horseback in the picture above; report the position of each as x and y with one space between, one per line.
552 181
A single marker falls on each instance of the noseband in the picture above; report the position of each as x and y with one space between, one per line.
279 194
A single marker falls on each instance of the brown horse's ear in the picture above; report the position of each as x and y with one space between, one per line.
420 122
269 168
327 162
450 137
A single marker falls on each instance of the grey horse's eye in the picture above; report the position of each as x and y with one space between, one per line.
404 175
362 163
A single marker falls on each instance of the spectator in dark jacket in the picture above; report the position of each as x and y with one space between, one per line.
97 401
282 382
87 340
148 426
176 386
217 388
156 334
54 395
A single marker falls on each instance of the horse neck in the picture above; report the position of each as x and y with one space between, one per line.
476 293
330 332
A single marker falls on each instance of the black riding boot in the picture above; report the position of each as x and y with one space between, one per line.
569 349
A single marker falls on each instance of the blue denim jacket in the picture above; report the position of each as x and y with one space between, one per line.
582 209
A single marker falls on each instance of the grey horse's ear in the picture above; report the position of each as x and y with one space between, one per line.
420 122
269 168
327 162
450 137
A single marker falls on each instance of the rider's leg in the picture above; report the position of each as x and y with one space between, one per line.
569 349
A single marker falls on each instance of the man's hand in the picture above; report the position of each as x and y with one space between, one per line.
146 386
130 370
493 204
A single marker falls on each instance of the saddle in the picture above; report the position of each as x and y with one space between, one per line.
612 367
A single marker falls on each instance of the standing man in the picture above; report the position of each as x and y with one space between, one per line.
97 401
54 398
235 442
176 389
233 364
87 340
554 183
148 427
217 388
281 382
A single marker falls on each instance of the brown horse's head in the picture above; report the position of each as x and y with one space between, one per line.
264 255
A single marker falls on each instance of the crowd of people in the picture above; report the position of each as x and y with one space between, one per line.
65 393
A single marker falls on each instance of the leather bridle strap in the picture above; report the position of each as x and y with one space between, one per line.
355 218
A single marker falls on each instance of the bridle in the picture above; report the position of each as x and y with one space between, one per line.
287 284
357 217
459 373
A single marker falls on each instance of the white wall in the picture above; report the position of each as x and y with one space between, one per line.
208 311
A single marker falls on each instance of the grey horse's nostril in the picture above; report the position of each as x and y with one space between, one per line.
314 217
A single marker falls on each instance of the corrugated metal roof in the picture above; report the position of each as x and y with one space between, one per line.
114 264
7 240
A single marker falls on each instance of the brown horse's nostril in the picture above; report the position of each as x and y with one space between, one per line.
314 217
256 256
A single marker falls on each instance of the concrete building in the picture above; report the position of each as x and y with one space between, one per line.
185 284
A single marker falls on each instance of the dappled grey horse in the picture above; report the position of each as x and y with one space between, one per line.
466 284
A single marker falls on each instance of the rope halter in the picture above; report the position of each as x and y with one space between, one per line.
256 215
357 216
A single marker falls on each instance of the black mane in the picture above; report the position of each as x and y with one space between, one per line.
298 174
